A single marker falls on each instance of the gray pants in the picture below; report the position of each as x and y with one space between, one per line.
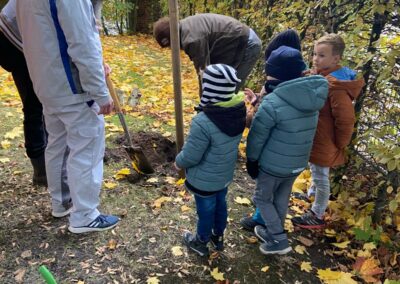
320 182
250 57
272 199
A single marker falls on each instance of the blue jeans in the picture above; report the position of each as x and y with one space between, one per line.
212 214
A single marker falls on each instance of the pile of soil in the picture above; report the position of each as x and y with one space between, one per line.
159 150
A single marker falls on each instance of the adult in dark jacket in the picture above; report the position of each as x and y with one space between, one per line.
211 39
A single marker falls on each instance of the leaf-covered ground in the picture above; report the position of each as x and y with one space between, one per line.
146 247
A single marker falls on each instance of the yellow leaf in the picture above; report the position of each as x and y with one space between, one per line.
369 246
177 251
243 201
330 233
159 202
80 282
152 180
306 266
265 268
112 244
252 240
185 208
122 173
180 181
110 185
335 277
300 249
153 280
367 269
167 134
5 144
16 132
341 245
17 173
135 167
4 160
217 275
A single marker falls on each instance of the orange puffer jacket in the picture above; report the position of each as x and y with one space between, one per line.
336 121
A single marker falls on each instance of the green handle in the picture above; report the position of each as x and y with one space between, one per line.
46 274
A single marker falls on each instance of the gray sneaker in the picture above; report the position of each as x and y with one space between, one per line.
262 233
279 244
194 244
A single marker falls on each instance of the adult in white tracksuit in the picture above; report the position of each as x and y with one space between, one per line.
63 53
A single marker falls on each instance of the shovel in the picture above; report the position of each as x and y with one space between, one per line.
140 162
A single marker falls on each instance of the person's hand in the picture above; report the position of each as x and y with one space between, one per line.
107 69
107 108
250 96
176 167
252 168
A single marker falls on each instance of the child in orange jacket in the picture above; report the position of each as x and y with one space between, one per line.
335 124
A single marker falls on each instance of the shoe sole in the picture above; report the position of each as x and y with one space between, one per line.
259 236
280 252
80 230
61 214
311 227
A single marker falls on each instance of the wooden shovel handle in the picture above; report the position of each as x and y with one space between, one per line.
113 94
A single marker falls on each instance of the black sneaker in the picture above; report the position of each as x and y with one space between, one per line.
194 244
248 223
308 221
217 242
262 233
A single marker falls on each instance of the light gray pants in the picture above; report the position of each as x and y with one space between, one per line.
250 57
320 182
272 199
79 130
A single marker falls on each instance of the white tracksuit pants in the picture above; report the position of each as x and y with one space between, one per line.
76 143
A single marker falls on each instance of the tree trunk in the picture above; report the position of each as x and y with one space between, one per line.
133 17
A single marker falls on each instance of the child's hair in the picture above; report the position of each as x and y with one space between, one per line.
335 41
161 31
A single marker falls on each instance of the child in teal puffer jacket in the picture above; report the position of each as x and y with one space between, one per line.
210 153
280 140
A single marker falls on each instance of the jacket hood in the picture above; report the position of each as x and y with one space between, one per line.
305 93
352 87
343 78
230 120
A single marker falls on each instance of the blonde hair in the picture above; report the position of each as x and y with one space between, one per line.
334 40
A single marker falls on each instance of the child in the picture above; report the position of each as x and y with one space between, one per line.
335 124
210 153
280 140
289 38
63 54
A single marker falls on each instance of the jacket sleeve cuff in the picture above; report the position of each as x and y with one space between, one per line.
102 99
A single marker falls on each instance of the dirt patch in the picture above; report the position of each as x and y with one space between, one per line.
159 150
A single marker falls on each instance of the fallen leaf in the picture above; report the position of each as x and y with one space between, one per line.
5 144
369 246
153 280
177 251
26 254
110 185
152 180
159 202
4 160
217 275
300 249
265 268
243 201
170 180
122 173
252 240
112 244
185 208
306 266
180 181
335 277
367 269
81 282
16 132
305 241
341 245
19 275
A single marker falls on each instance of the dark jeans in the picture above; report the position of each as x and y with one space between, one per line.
13 60
212 213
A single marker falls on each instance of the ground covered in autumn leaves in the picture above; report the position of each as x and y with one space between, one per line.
146 247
